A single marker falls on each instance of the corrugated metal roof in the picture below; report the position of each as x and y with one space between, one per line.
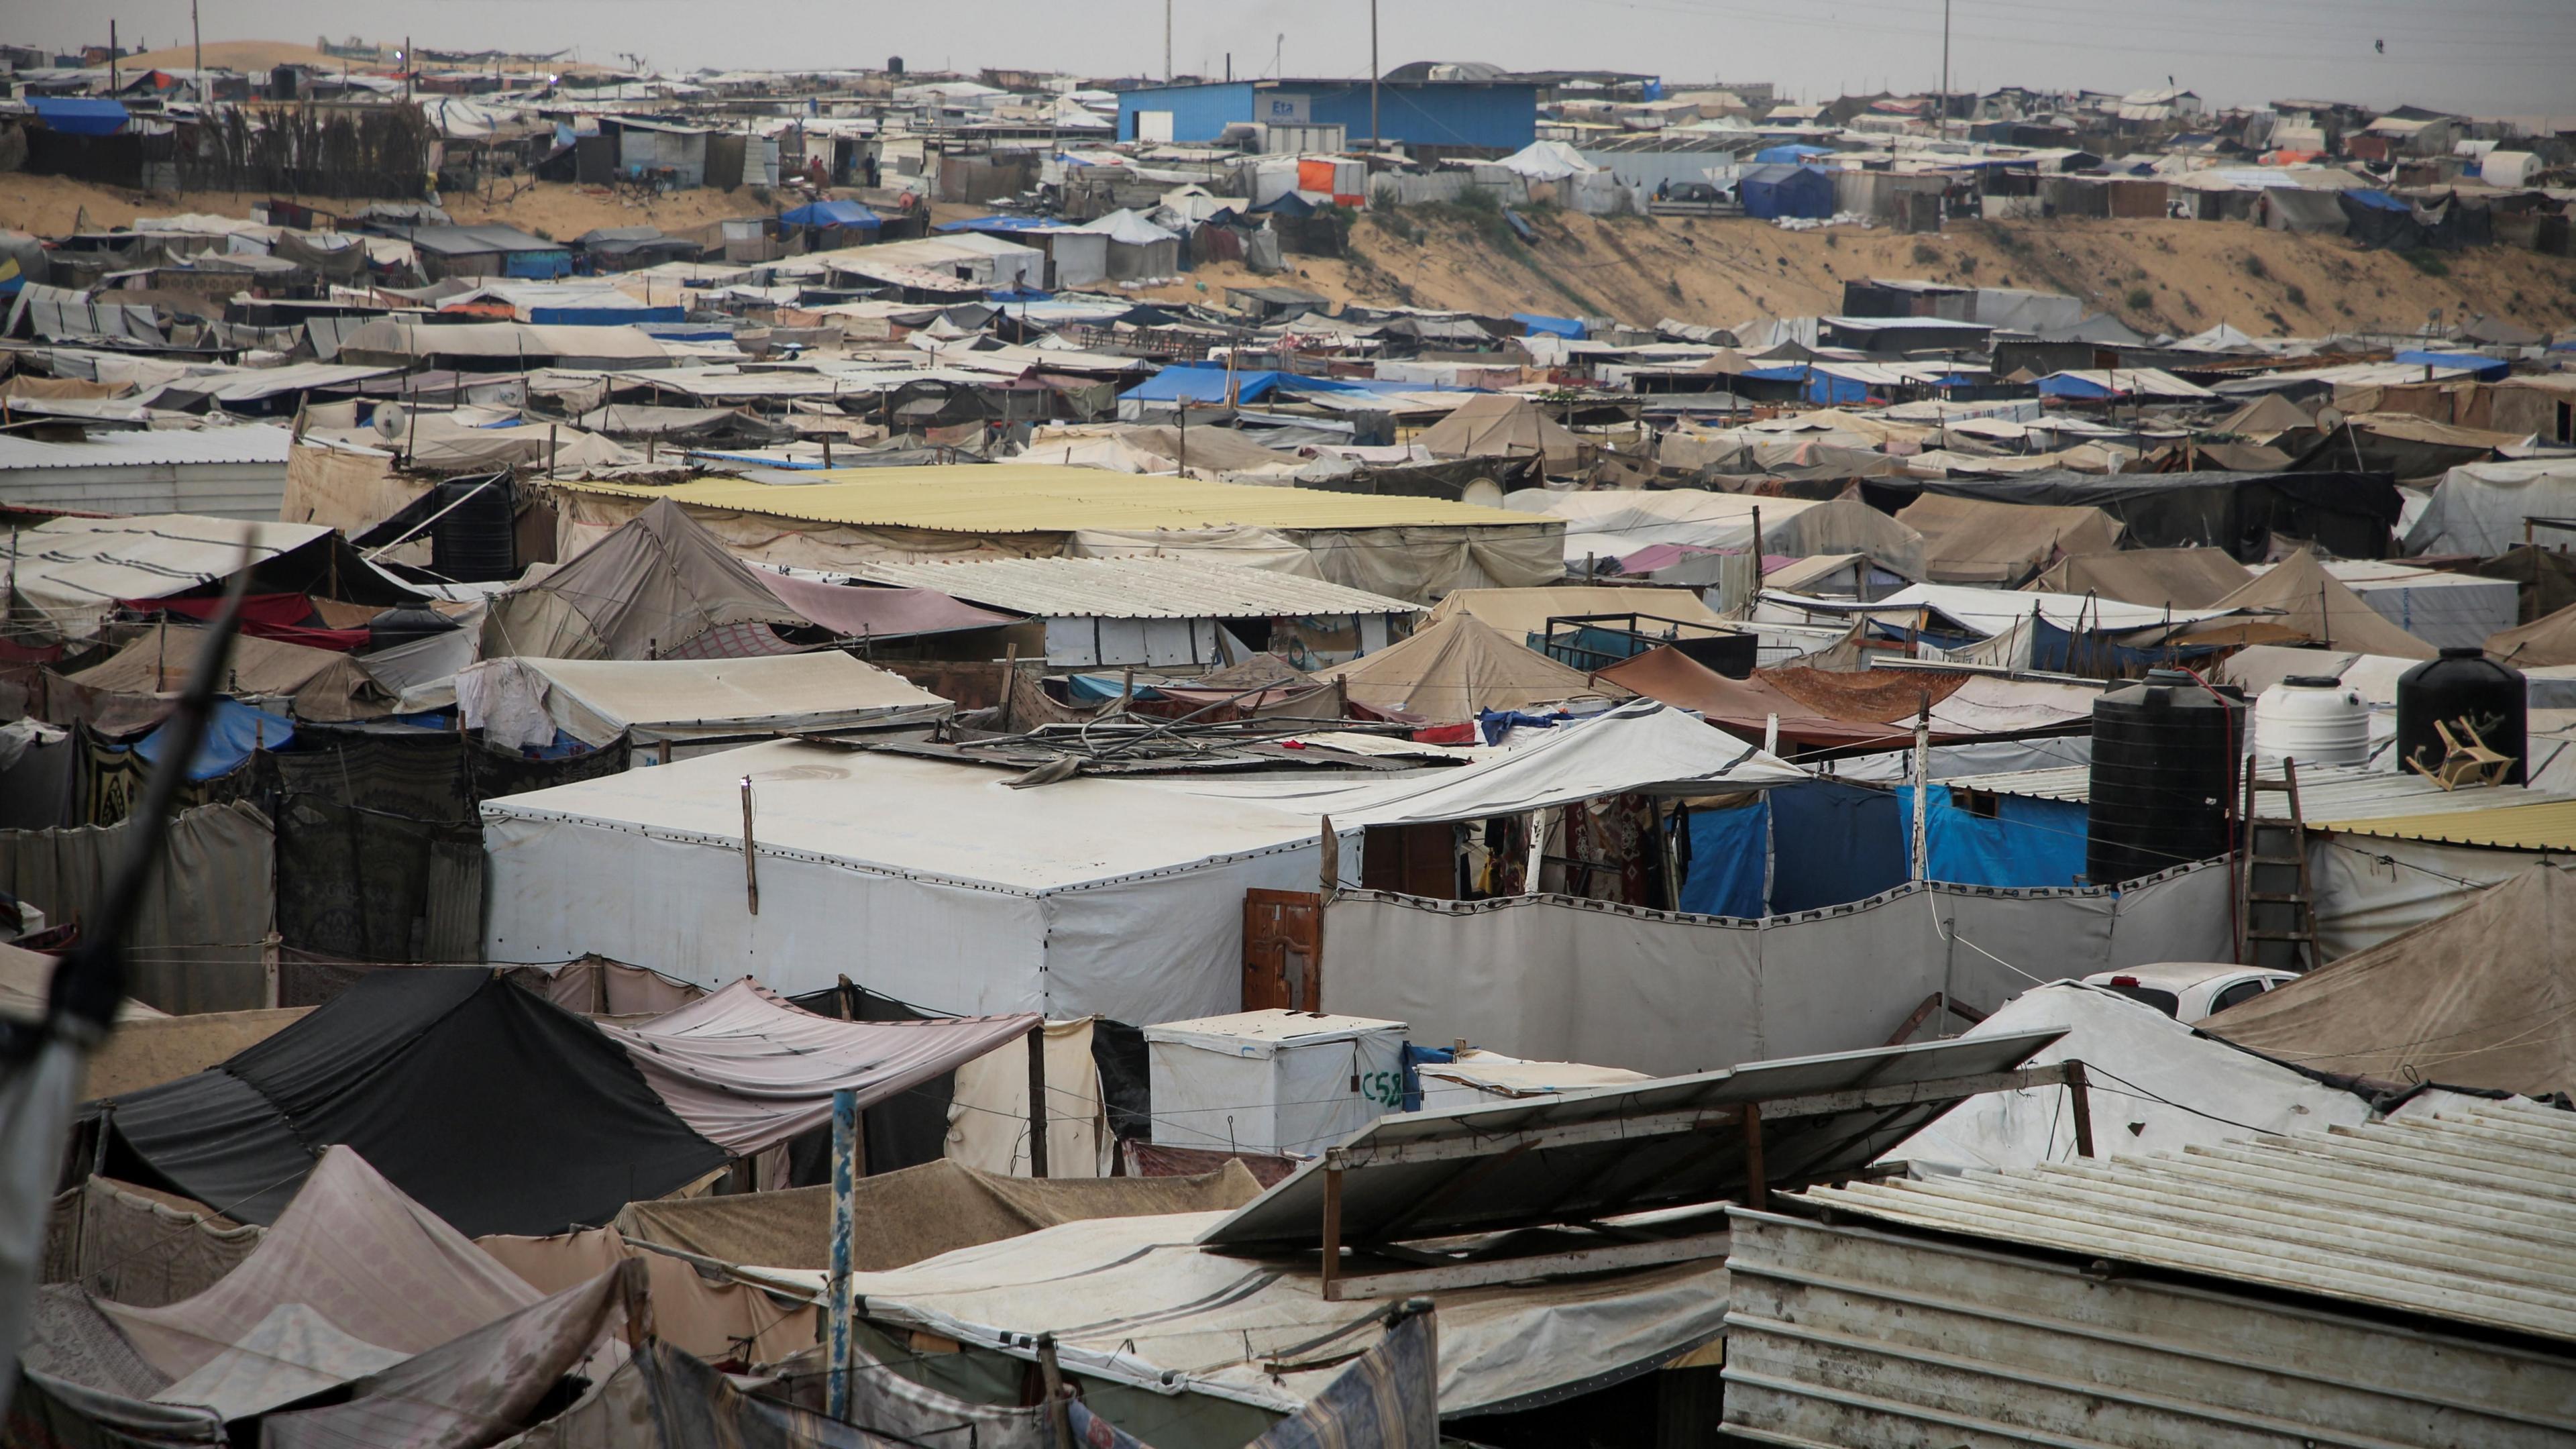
1050 498
2467 1215
150 448
1135 588
2543 824
2329 796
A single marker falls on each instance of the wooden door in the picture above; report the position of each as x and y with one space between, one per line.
1283 950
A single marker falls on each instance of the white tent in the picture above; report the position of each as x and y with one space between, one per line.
932 882
696 702
2480 507
1547 161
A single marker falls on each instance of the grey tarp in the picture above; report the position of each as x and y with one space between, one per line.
204 917
2287 208
917 1213
2482 997
1550 978
651 587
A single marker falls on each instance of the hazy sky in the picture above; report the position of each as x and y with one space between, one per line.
2482 56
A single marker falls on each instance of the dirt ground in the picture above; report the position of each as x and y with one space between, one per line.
47 206
2160 276
2177 276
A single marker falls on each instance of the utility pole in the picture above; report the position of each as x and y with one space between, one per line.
1167 42
111 57
1373 75
1943 130
197 41
408 66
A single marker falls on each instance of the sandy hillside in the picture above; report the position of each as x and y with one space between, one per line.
2177 276
46 205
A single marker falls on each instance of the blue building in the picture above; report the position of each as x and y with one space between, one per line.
1434 117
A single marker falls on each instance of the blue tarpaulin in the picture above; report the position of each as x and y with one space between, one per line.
1789 155
1833 843
233 734
1102 688
1202 384
1774 191
1727 857
2025 843
2377 200
79 115
1551 326
1493 724
1824 387
605 316
542 266
832 213
2483 366
2058 384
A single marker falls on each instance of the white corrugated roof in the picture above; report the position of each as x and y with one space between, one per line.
2338 793
2467 1215
150 448
1142 587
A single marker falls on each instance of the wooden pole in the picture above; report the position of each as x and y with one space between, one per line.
2079 1096
1757 1186
1051 1373
845 1175
1037 1101
750 852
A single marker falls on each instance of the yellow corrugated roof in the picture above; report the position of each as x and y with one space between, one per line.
2548 825
1052 498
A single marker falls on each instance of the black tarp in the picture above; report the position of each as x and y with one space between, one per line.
498 1111
1447 478
2380 225
2353 447
2347 514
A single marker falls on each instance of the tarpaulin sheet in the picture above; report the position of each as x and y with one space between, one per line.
1157 1311
321 684
2180 578
710 1316
197 934
80 115
2300 597
2026 842
374 1264
649 587
1966 540
141 1247
988 1109
74 570
1833 844
2158 1087
2478 998
919 1212
1456 668
234 732
863 612
748 1071
683 700
2480 507
1549 978
418 1070
1729 858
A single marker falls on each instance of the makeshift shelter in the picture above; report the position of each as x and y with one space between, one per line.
855 221
867 612
2185 1090
2182 578
2482 997
2349 514
1770 191
1504 425
322 684
747 1070
659 586
699 703
1520 613
2550 640
499 1112
915 1213
1616 523
1138 249
1967 541
2299 599
2265 418
1457 667
1084 896
1746 708
2480 507
72 572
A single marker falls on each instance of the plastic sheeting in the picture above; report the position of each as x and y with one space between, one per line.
2026 842
1087 896
988 1112
1833 844
1455 669
2480 507
1547 977
1159 1312
2157 1087
648 589
1730 851
205 914
747 1071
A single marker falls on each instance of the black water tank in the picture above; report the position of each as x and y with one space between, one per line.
405 625
2462 684
475 542
2165 756
894 64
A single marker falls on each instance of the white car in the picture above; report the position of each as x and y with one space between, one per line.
2191 991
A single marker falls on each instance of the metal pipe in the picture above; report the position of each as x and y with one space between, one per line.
1037 1100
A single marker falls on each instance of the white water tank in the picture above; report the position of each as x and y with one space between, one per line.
2314 720
1272 1081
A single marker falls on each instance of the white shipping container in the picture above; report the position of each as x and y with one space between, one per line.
1272 1082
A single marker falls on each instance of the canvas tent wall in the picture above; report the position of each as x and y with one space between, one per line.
700 704
931 882
1503 425
658 586
2185 578
2480 507
1968 541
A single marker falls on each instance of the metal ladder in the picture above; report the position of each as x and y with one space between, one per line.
2276 919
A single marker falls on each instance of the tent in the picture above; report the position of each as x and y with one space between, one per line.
1546 161
2299 599
495 1110
1617 523
1775 191
2184 578
1967 541
1456 668
2265 418
2480 507
74 572
1503 425
1519 613
849 214
2176 1090
659 585
701 702
933 881
1746 707
2483 997
324 684
2547 640
868 612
